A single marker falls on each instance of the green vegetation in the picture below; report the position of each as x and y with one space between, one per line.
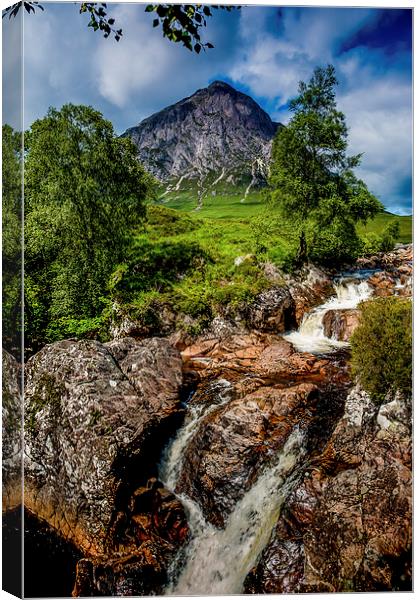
99 244
312 178
11 239
382 347
84 196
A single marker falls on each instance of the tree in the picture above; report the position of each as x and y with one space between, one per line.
84 194
179 22
312 177
11 238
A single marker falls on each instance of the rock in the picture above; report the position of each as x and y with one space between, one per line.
96 418
310 289
264 356
272 311
218 132
383 283
11 433
146 539
340 324
233 443
347 524
141 573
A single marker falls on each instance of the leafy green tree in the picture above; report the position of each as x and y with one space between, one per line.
382 347
179 22
11 238
84 194
312 177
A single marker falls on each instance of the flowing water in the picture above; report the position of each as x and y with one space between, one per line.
216 561
310 335
171 463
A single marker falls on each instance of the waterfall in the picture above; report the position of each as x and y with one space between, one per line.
216 561
172 459
310 335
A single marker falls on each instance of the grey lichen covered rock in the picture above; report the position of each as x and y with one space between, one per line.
11 432
95 419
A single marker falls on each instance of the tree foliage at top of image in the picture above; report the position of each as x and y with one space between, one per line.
85 194
382 347
312 176
180 23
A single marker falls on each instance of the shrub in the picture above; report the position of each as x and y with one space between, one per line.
333 245
168 221
155 266
382 347
384 242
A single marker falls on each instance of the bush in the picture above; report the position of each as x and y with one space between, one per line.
384 242
382 347
168 221
155 266
333 245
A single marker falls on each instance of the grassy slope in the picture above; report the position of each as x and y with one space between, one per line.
228 207
224 229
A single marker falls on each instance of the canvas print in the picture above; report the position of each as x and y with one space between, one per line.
207 299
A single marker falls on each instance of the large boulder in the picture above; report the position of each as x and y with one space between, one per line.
340 324
309 289
235 441
96 417
347 524
11 433
272 311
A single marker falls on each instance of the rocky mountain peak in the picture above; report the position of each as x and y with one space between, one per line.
216 134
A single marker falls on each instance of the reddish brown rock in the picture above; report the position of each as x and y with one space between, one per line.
340 324
311 290
349 520
233 443
266 357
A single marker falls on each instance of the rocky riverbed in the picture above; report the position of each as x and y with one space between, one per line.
241 460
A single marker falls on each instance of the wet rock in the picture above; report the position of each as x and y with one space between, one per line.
309 289
383 283
95 419
11 433
233 443
261 357
141 573
272 311
349 520
146 537
340 324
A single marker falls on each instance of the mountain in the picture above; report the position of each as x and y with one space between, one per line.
216 135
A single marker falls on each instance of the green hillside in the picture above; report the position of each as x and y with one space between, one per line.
227 205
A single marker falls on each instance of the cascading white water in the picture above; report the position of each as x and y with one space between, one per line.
172 459
216 561
310 335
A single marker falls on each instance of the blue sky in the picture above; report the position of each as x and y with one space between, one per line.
263 51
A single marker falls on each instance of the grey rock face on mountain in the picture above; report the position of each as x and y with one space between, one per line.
218 133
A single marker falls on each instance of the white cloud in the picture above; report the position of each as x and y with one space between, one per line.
375 90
